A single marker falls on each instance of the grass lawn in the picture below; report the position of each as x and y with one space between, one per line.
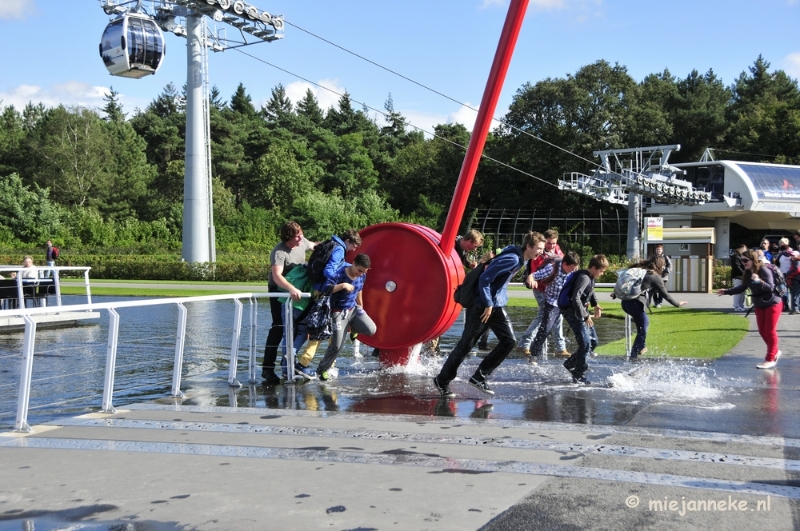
673 331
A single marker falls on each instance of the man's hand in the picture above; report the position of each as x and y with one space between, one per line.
487 312
295 294
598 312
589 322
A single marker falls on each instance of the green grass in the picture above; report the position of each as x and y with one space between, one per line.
674 332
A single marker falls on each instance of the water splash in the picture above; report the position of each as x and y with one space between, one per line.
666 380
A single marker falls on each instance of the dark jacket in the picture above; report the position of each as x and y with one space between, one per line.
582 294
737 269
761 288
654 283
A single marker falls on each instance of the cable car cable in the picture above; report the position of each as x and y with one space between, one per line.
487 157
501 121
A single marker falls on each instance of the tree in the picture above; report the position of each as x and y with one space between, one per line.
278 110
27 213
309 109
112 108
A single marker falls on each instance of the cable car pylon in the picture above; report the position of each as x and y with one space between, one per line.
133 46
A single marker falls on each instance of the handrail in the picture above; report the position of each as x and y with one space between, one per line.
28 347
38 280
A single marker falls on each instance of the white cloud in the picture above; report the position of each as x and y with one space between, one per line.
465 116
424 120
296 91
791 64
67 94
16 9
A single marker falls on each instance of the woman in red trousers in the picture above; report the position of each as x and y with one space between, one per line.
759 278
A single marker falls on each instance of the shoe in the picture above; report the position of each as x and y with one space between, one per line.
563 354
767 364
643 350
532 360
480 385
570 365
305 372
793 312
375 353
270 376
593 354
444 390
581 380
483 346
658 305
324 376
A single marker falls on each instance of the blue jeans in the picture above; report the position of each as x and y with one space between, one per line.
558 329
794 290
577 362
550 315
638 313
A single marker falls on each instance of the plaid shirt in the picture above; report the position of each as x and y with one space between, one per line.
553 288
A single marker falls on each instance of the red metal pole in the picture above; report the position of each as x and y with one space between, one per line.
502 58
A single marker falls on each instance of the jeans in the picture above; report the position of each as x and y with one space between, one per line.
738 299
577 362
48 273
355 318
638 313
550 315
275 334
794 290
557 331
500 325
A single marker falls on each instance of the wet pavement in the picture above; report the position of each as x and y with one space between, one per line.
674 444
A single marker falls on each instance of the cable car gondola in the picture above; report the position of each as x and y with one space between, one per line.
132 46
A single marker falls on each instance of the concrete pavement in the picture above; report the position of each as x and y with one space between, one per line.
654 464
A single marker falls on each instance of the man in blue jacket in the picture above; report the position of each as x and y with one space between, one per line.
489 310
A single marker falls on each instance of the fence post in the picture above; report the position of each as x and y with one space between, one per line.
25 375
180 341
627 335
251 362
237 334
111 361
288 320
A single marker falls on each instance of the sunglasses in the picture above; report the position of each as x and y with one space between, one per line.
746 260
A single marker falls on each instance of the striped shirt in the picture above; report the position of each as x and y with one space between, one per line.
553 289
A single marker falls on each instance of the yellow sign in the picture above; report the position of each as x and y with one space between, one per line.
655 229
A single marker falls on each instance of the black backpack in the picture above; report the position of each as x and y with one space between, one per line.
779 281
467 291
319 259
565 295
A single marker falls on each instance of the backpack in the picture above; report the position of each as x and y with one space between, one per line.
629 283
54 252
565 295
318 320
467 291
779 286
319 259
298 277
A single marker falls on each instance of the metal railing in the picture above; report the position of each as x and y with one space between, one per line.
39 281
28 347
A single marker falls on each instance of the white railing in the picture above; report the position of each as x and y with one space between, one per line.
28 347
40 281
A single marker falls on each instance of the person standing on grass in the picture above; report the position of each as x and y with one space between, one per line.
768 305
637 308
665 271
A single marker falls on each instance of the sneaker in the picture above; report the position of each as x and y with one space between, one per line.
793 312
270 376
480 385
305 372
444 390
532 360
483 346
767 364
581 380
570 365
324 376
658 305
563 354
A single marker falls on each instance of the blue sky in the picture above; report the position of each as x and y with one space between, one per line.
50 49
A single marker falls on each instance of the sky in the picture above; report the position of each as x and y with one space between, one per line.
50 49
